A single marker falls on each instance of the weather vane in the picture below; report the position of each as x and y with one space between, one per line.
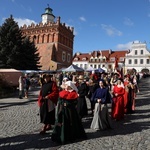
48 5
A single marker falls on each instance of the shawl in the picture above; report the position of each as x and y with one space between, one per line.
68 95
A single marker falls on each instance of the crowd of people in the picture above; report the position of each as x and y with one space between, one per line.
63 102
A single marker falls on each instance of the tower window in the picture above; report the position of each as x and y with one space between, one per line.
68 57
63 56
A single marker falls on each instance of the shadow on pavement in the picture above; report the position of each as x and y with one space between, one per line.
9 104
28 141
132 123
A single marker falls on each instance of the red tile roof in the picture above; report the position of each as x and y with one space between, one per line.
107 53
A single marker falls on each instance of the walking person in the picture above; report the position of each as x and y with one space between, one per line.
82 92
68 126
26 85
118 101
92 86
128 96
135 90
101 119
21 87
47 101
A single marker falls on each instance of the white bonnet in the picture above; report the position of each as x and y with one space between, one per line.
70 83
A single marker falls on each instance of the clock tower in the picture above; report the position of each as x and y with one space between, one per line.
48 15
53 39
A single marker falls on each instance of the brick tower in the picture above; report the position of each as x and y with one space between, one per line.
53 39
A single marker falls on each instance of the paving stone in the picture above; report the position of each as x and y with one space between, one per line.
20 126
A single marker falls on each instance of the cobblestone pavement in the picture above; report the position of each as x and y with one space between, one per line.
20 126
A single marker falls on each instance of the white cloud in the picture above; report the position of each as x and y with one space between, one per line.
82 19
124 46
128 22
22 21
110 30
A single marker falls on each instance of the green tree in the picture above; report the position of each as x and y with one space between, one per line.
14 49
31 56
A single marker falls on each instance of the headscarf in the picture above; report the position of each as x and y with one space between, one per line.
70 83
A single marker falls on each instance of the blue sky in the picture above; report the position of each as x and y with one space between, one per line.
98 24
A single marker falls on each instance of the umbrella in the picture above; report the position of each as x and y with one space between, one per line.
73 68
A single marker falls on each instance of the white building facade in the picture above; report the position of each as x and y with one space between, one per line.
138 58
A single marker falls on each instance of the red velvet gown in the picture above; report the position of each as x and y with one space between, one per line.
118 103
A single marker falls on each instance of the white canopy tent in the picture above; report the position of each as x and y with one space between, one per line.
73 68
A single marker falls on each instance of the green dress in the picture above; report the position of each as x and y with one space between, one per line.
68 127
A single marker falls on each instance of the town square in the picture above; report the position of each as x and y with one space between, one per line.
74 75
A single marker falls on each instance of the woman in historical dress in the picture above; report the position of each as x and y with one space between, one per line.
128 95
118 101
92 86
135 90
47 101
68 126
82 92
101 119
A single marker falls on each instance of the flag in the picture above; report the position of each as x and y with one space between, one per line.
116 63
118 68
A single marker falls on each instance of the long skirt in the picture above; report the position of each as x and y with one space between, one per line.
82 107
101 119
68 126
46 116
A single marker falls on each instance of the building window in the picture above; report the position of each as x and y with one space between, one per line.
147 61
63 56
141 52
141 61
85 66
130 61
109 66
80 65
121 58
135 52
112 59
135 61
68 58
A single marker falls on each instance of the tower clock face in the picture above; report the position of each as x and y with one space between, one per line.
44 17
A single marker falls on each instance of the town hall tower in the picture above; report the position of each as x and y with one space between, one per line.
53 39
